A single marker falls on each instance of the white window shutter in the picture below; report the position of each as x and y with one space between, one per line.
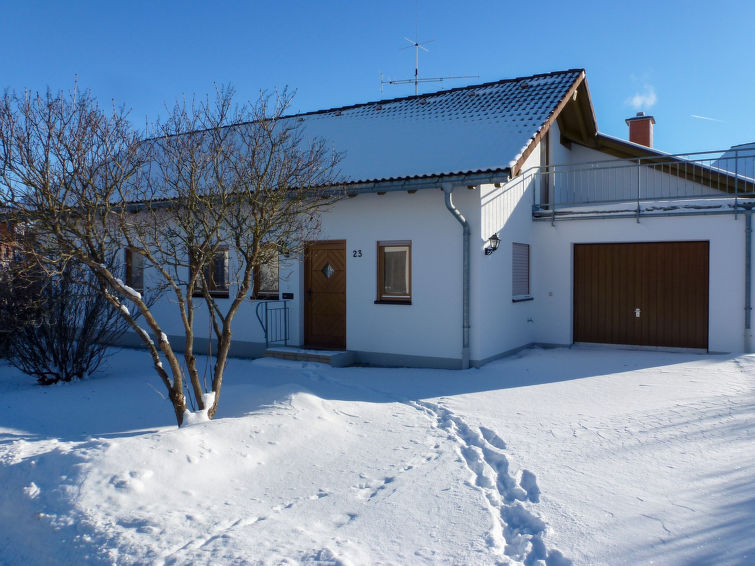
520 270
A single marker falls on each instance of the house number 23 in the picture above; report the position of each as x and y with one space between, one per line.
356 253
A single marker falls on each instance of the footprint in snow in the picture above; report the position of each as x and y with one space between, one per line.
341 520
319 495
132 481
321 557
370 488
492 438
528 482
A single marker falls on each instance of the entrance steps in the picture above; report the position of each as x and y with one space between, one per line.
334 358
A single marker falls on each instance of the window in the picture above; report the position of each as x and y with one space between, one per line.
520 272
134 269
266 280
394 272
215 274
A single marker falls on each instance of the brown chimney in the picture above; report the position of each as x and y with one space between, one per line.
641 129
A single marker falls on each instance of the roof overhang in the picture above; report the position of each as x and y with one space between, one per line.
470 179
576 119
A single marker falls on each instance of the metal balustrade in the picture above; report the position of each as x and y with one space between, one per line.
727 174
273 318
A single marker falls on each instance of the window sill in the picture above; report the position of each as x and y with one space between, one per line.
522 298
392 302
266 297
214 294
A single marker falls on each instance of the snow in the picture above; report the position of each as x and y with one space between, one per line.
200 416
648 208
581 456
145 335
131 293
479 128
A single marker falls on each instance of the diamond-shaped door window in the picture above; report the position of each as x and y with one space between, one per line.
328 271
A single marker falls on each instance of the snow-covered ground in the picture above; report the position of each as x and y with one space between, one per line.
583 456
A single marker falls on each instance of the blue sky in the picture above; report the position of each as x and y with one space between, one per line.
690 64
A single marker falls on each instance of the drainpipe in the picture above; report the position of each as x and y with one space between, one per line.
748 278
447 193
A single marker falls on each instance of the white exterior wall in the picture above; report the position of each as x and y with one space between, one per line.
431 325
552 269
554 265
245 327
498 324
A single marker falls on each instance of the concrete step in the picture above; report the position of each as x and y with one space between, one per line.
334 358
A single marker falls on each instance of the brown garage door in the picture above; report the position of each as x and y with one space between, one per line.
647 294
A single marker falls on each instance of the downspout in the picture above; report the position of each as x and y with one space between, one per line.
447 193
748 279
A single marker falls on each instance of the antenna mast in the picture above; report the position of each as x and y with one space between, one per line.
417 79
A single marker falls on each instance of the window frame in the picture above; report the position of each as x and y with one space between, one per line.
390 298
128 257
221 291
516 273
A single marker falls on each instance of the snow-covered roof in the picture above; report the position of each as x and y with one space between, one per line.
473 129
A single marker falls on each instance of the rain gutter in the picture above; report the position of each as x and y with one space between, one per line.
456 213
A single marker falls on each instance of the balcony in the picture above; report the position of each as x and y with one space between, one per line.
717 182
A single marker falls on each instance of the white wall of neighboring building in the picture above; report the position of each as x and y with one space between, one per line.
553 279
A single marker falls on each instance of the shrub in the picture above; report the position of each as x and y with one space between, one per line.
59 326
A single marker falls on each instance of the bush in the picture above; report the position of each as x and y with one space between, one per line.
59 326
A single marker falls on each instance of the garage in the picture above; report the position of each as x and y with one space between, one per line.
644 294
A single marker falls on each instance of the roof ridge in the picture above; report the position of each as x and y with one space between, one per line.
430 94
742 144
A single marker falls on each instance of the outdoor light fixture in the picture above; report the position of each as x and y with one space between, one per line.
493 243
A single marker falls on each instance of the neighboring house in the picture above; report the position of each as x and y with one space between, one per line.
740 159
598 239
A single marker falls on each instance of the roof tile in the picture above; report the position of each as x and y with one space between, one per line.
477 128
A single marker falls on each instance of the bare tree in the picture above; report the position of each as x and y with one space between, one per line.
216 191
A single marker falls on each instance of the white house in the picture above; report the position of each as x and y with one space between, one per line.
598 239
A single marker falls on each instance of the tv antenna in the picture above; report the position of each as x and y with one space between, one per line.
417 79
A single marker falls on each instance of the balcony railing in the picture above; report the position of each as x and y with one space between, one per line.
728 174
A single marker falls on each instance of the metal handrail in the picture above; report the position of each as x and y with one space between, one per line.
273 318
720 174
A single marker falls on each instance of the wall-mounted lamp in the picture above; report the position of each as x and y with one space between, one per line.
493 243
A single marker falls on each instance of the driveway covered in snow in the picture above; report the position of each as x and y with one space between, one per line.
568 456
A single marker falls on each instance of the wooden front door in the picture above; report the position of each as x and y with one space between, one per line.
646 294
325 294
